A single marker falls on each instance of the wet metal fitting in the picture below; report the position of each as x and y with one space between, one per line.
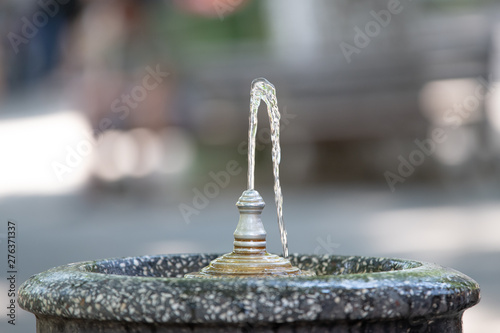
249 257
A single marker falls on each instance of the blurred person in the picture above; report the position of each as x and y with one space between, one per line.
114 48
121 80
34 40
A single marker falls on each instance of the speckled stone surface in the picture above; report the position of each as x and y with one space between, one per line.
149 294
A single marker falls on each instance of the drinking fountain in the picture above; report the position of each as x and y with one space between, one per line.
250 290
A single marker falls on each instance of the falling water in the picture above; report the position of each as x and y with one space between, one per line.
264 90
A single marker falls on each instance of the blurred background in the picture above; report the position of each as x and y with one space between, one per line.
123 128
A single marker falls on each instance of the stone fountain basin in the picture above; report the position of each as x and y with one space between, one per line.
149 294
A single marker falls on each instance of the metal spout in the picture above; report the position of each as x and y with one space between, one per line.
249 257
250 235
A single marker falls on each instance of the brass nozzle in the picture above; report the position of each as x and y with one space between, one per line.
249 257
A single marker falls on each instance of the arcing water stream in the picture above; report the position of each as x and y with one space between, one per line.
264 90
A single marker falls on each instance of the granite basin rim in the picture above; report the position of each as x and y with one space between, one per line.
151 289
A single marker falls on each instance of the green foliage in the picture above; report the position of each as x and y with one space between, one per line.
244 24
